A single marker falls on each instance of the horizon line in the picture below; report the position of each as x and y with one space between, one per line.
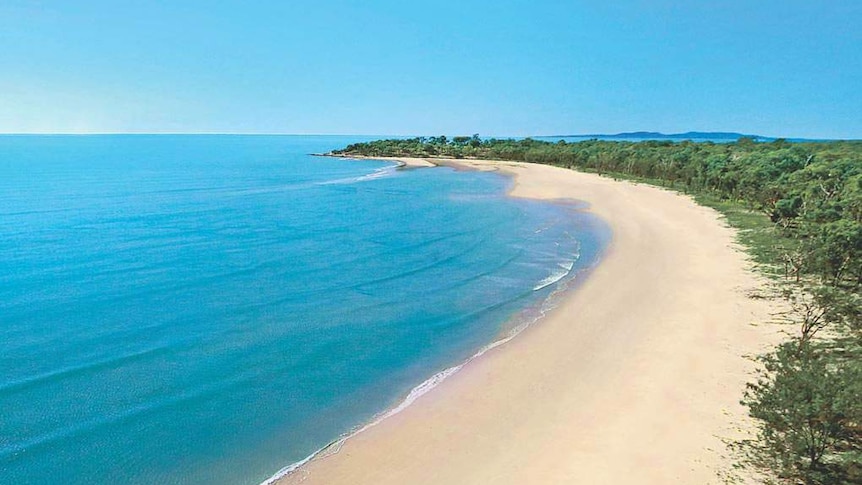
584 135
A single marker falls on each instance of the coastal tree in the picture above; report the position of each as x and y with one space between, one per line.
808 416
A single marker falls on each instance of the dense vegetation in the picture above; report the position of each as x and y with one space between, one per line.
799 208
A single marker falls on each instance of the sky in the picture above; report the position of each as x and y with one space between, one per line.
383 67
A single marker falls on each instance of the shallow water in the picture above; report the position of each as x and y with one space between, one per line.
190 309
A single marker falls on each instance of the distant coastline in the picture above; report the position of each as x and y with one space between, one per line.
655 135
692 136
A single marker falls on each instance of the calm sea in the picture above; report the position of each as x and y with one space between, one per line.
210 309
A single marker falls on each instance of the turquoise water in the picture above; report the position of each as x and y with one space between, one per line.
210 309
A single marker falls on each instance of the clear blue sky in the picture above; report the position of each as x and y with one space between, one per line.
505 67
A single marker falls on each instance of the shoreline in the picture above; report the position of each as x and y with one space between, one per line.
333 447
503 418
570 282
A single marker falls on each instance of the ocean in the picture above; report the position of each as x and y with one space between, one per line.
213 308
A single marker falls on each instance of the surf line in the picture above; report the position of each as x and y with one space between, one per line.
333 447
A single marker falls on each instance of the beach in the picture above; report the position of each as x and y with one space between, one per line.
635 377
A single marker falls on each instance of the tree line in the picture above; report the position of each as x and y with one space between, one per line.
807 399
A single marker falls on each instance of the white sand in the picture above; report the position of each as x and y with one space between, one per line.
634 378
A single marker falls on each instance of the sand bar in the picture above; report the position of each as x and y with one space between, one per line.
634 378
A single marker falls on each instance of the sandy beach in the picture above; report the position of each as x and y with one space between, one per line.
634 378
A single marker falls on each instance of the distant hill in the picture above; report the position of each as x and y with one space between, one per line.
690 135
